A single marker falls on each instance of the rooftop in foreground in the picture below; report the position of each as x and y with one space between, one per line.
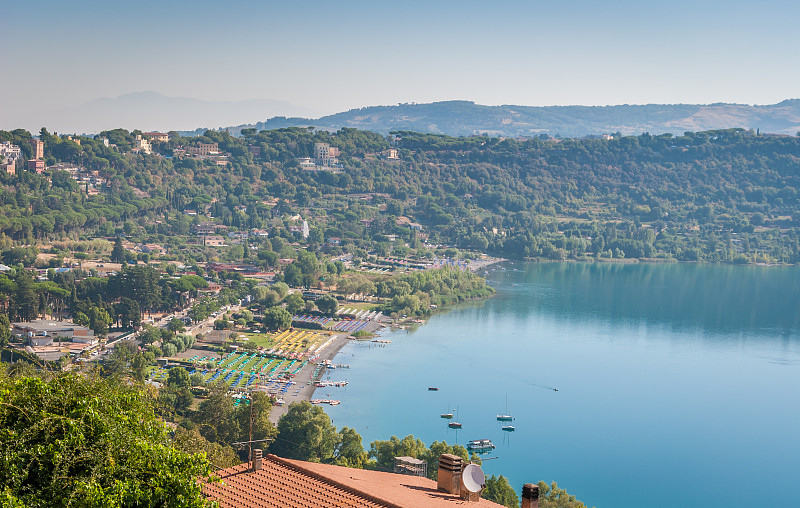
294 483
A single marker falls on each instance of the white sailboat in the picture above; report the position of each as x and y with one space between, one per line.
505 417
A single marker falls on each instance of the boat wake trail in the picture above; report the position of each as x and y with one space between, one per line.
544 387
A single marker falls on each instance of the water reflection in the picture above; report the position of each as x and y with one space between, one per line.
712 298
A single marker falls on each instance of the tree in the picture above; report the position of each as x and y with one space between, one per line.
277 318
178 399
20 255
305 433
81 319
178 377
436 449
196 379
117 363
268 297
191 441
309 266
52 295
138 366
293 275
5 330
149 334
169 350
281 288
257 412
127 313
498 489
175 325
27 304
99 319
551 496
327 305
216 416
384 452
349 451
118 252
69 441
294 303
139 283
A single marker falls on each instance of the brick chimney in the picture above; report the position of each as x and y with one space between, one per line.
530 496
257 457
450 467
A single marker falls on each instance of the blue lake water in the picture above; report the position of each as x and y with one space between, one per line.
678 385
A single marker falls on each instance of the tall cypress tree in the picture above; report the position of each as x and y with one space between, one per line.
118 252
27 303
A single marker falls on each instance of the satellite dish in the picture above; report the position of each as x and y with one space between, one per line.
473 478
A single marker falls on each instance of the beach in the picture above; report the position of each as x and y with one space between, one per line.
304 380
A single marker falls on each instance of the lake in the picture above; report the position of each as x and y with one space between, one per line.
678 384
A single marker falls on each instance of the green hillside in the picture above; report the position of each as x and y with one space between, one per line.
726 195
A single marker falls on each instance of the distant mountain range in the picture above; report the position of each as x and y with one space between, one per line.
464 118
150 111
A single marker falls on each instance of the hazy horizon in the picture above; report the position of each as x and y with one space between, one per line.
149 110
328 57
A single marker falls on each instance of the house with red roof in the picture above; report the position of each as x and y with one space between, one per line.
273 481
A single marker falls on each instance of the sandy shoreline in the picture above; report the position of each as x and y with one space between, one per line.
304 388
478 264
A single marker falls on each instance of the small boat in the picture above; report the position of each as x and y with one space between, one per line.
433 389
505 417
480 445
447 415
509 428
454 425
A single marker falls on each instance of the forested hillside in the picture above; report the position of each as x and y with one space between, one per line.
728 195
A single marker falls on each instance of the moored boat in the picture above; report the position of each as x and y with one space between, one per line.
447 415
505 417
509 428
480 445
454 425
433 388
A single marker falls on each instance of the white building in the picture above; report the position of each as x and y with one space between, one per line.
9 155
42 332
326 155
141 144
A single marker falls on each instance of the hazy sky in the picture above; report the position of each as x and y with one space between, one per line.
335 55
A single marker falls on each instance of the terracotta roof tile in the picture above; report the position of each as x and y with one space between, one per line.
285 483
